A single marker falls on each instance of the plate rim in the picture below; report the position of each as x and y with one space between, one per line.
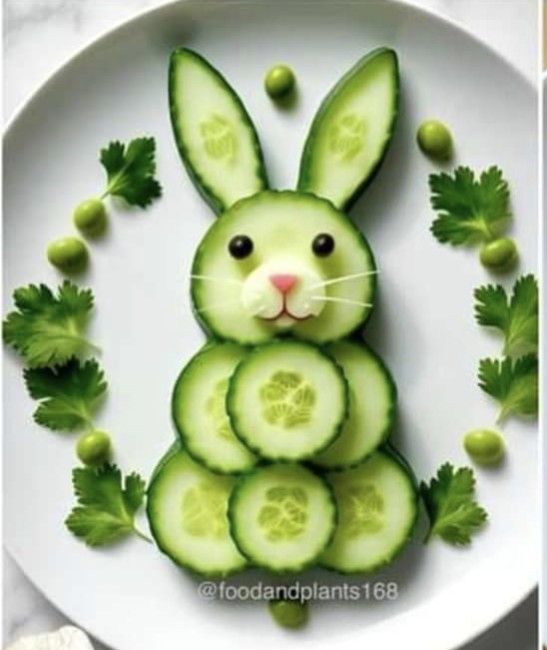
147 13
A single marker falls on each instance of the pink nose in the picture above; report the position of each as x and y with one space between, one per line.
284 282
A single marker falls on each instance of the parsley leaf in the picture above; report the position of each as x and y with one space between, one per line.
469 209
517 318
68 394
450 502
106 509
47 330
130 171
513 383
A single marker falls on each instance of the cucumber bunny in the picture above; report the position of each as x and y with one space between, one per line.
281 282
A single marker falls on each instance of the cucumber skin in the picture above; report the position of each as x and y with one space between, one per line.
394 454
205 190
390 450
174 449
305 163
181 433
280 459
389 428
233 501
201 252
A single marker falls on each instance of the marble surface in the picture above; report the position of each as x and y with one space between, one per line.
46 32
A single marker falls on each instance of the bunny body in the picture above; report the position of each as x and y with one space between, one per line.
282 283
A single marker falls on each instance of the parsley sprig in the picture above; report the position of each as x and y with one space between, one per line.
514 384
517 316
48 329
49 332
130 171
68 395
106 505
449 499
469 209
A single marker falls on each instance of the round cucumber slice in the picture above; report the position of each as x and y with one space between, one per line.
187 511
372 406
234 297
287 400
282 517
199 410
377 509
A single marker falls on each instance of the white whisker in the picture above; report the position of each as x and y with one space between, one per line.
345 301
345 278
211 278
217 305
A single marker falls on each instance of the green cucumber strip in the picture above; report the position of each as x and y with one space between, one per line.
187 511
282 517
215 136
352 129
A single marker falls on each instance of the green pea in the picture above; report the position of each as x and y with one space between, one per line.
484 446
90 217
279 81
499 254
68 254
289 613
93 448
434 139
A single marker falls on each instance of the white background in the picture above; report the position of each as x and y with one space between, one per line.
39 35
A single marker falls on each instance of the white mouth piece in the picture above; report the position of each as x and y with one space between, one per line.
283 292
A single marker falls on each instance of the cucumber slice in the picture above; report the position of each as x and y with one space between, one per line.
282 227
199 410
282 517
287 400
352 129
216 138
372 406
187 511
377 508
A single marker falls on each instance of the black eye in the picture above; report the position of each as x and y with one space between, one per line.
323 245
240 246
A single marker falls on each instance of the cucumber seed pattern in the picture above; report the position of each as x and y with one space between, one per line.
361 508
347 136
204 511
218 138
287 400
284 514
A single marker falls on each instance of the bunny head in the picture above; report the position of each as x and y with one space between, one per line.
278 262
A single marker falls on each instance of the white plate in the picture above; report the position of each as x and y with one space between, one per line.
131 596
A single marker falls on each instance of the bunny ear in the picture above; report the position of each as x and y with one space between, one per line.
216 138
352 129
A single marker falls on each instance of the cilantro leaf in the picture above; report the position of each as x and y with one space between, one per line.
469 209
513 383
68 394
106 508
450 502
517 318
130 171
47 330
